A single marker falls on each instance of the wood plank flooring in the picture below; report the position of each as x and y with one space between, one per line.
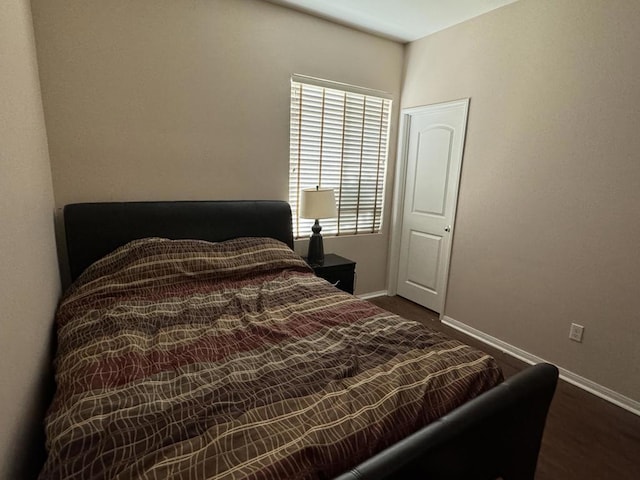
586 438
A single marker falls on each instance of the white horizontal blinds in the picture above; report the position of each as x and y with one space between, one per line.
339 139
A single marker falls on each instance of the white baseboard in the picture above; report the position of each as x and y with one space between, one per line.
605 393
367 296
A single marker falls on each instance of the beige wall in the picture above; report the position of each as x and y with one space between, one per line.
169 100
29 285
548 225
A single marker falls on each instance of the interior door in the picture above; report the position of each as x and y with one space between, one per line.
433 158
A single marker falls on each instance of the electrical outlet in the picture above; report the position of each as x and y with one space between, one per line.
575 333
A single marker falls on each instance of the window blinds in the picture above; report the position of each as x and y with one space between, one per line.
339 139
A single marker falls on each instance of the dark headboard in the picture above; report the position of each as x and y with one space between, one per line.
95 229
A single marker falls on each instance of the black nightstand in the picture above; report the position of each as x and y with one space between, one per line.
338 270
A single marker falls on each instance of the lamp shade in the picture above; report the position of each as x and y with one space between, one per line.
318 203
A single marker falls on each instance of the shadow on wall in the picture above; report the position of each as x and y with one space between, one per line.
29 462
30 459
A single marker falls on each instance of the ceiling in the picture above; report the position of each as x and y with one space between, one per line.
399 20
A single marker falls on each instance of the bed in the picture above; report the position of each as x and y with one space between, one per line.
194 343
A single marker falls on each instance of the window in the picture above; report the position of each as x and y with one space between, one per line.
339 139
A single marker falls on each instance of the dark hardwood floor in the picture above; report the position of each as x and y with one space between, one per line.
585 437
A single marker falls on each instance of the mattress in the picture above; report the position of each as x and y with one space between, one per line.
189 359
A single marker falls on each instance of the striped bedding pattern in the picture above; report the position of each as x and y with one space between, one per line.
189 360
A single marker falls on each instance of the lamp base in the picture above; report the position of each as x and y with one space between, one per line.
315 255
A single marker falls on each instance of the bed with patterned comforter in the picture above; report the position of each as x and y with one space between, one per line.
188 359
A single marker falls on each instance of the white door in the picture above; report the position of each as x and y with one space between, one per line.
434 142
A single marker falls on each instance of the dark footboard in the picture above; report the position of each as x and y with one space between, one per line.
495 435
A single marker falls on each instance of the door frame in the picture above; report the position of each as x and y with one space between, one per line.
399 185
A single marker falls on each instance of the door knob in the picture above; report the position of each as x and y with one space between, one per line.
447 228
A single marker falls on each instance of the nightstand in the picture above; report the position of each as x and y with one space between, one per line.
338 270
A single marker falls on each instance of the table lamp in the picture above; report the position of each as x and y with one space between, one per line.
317 203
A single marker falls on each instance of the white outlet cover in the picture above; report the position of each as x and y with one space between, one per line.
576 332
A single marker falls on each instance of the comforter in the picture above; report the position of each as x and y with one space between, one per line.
188 359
